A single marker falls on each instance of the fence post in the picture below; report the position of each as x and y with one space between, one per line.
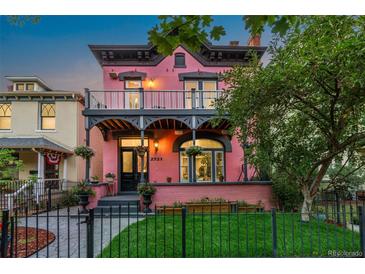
90 234
4 234
49 200
362 230
274 232
183 232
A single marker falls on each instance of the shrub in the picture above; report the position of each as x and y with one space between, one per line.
286 194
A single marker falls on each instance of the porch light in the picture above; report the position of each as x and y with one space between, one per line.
155 144
151 83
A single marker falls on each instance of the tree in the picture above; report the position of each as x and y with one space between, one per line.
190 30
306 108
9 164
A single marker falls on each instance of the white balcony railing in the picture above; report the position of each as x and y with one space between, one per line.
146 99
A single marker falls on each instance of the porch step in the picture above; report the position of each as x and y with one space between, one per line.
113 202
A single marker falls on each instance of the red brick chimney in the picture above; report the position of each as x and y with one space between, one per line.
254 41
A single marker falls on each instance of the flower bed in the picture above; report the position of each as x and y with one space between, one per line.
26 244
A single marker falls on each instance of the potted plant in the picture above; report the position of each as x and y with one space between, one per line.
146 190
168 179
83 192
94 179
141 150
84 152
194 150
110 177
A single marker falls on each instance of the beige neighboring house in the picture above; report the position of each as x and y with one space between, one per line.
44 126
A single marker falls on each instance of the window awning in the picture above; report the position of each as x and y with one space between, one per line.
38 143
199 75
131 74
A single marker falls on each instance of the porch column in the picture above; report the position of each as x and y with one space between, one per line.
142 179
193 160
39 190
87 160
64 181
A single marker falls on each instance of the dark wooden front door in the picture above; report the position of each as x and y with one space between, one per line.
131 169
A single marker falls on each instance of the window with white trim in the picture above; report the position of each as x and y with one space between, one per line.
5 116
48 116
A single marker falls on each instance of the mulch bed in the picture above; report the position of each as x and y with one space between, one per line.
26 241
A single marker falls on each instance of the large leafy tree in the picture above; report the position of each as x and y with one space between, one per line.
306 108
190 30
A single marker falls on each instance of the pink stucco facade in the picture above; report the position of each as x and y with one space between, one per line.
164 76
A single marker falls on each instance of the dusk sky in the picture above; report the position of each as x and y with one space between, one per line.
56 49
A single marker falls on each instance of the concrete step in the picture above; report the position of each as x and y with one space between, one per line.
115 209
116 203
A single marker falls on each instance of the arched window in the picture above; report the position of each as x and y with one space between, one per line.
209 166
180 60
5 116
48 116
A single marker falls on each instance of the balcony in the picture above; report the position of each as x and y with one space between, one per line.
151 100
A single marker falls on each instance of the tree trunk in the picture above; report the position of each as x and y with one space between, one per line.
307 205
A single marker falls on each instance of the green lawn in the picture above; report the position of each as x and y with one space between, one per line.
230 235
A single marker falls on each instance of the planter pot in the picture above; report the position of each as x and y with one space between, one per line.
83 201
147 201
169 210
244 209
94 182
109 179
208 207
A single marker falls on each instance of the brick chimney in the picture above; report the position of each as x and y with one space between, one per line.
234 43
254 41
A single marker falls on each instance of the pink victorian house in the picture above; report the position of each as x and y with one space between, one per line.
166 104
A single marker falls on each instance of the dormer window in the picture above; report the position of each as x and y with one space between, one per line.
29 87
19 87
180 60
24 87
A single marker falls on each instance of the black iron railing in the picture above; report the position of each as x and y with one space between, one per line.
151 99
208 230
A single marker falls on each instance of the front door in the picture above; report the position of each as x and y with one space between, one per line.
131 168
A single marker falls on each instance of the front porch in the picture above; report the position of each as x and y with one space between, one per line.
218 172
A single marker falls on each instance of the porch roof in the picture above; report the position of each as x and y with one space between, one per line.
41 143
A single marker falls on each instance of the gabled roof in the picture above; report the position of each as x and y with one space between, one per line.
147 55
32 78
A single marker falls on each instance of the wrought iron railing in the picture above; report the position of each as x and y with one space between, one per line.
151 99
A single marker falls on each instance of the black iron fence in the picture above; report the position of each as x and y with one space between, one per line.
27 194
208 230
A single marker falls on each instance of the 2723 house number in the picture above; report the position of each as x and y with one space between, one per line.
156 158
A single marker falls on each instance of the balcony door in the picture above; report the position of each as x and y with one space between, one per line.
209 94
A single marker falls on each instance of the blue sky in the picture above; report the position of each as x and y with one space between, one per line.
56 49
